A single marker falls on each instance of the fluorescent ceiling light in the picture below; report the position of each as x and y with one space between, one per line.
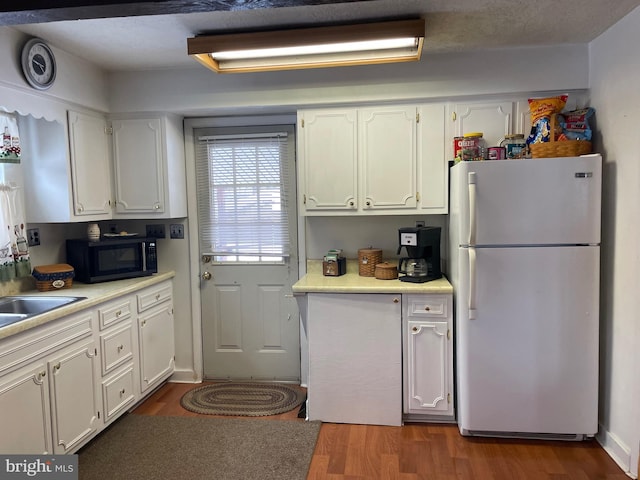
398 41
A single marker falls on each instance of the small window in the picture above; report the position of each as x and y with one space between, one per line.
242 201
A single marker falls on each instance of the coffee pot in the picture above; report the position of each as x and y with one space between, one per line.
422 262
413 267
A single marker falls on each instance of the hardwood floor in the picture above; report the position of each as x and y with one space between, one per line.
426 451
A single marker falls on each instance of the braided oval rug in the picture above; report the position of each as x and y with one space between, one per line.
242 399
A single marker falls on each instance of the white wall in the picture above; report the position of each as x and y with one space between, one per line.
615 76
201 92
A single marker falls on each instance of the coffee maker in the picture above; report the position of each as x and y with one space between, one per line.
423 249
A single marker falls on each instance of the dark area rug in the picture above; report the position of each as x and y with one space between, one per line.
157 447
244 399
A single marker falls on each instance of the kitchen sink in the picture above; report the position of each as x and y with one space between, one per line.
16 308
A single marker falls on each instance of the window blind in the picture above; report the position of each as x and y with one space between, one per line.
242 200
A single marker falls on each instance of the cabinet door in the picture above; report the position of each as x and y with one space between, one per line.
74 400
387 157
90 164
493 119
355 351
433 169
427 375
157 354
25 418
138 165
327 151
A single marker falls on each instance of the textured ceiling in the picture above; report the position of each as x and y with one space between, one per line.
159 41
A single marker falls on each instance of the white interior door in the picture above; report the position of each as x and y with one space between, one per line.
528 361
250 320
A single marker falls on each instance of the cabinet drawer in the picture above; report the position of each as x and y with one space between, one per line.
30 345
427 306
117 347
114 312
117 393
154 296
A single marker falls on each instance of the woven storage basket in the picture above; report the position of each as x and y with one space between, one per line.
53 277
368 258
563 148
386 271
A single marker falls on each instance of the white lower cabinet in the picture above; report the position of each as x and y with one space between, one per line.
355 372
156 337
428 357
75 410
61 383
25 414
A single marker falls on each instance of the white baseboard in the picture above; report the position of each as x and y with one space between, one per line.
616 449
185 376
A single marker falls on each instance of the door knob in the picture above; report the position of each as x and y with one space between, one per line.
206 276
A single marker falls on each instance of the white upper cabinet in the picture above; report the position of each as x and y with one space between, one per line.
328 174
372 161
433 170
493 119
387 157
149 167
90 165
132 168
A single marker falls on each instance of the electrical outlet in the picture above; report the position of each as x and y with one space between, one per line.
33 237
176 230
156 231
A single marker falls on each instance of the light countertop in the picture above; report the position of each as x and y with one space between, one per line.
96 293
351 282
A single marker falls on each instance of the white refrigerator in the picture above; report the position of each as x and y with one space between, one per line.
524 239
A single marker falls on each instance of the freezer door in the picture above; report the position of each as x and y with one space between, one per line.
528 361
527 202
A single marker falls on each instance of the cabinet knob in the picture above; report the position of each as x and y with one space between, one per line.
351 204
414 329
368 204
395 300
120 348
41 375
157 296
56 366
206 276
122 392
427 308
118 313
156 206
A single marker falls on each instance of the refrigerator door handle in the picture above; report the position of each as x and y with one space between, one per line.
472 283
472 208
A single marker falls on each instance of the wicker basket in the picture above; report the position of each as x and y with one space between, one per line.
562 148
386 271
368 258
53 277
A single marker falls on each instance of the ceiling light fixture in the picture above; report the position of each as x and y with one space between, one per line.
315 47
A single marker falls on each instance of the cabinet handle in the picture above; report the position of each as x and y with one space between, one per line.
395 300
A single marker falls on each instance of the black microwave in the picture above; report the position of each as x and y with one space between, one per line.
112 258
